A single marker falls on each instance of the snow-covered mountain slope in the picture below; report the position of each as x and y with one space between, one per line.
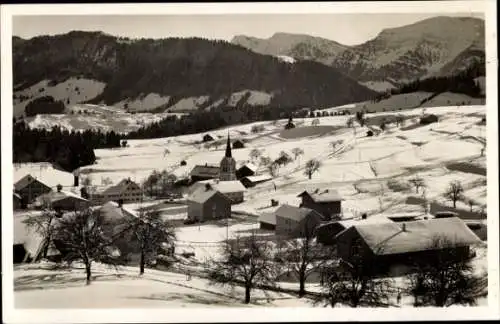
303 47
415 51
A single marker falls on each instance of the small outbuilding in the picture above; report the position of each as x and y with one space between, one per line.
296 221
246 170
252 181
238 144
327 202
208 138
204 172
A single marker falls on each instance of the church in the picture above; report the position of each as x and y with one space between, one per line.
227 182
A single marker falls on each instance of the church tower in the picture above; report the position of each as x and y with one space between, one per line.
227 165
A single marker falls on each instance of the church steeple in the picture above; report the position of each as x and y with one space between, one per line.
228 147
227 164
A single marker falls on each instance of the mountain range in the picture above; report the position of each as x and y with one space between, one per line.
439 46
286 70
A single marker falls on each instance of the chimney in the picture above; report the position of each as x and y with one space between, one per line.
207 186
363 216
316 191
59 188
76 181
120 203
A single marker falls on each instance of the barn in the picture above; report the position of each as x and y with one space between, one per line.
327 202
296 222
394 244
29 188
238 144
246 170
207 204
62 200
252 181
204 172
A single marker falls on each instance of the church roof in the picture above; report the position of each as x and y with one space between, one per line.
228 147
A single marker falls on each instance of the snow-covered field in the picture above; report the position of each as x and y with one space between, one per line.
371 173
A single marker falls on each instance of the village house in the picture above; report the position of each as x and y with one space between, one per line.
204 172
296 221
394 244
327 202
207 203
126 191
62 200
238 144
246 170
252 181
29 188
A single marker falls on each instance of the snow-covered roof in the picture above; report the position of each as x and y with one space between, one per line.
369 220
112 211
250 166
25 181
201 195
327 195
268 218
43 172
118 188
54 196
258 178
294 213
395 238
224 186
205 170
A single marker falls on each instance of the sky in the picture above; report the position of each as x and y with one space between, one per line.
348 29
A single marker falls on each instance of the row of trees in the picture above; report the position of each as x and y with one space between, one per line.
253 263
44 105
87 236
69 150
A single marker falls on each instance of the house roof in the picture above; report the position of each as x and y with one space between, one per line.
328 195
54 196
228 186
390 238
250 166
119 187
201 195
258 178
295 213
205 170
347 223
17 195
25 181
268 218
112 211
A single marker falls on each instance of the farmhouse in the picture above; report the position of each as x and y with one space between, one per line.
246 170
405 243
238 144
327 202
234 190
17 201
296 222
267 221
207 203
29 188
208 138
62 200
126 191
204 172
255 180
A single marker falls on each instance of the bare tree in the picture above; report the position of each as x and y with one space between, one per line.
244 261
153 235
255 154
355 283
43 225
82 238
303 257
265 160
166 152
335 144
311 167
106 181
417 182
297 151
87 181
471 203
454 192
273 169
350 122
151 182
315 122
446 277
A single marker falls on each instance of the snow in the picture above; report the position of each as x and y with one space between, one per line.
144 103
186 104
45 173
71 91
286 59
